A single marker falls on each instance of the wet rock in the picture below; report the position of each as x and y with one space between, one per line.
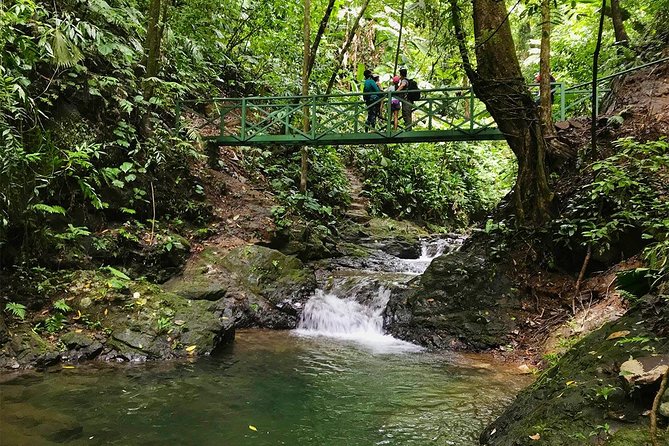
306 242
4 334
585 390
80 346
462 300
251 285
402 249
147 322
27 348
40 423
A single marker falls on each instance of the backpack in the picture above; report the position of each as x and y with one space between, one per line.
414 95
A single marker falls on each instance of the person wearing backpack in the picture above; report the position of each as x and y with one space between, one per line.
371 100
408 99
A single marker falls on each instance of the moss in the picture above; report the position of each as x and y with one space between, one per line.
583 394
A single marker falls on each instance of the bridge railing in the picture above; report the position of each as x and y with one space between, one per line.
280 119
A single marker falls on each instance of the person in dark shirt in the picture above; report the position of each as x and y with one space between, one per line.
371 100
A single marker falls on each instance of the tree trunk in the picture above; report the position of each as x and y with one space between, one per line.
157 17
498 82
347 44
305 92
546 108
399 39
319 36
595 67
618 26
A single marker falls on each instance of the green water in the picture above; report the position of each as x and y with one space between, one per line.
294 390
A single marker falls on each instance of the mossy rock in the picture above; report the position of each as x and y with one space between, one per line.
114 318
271 274
253 285
204 277
147 322
46 425
583 399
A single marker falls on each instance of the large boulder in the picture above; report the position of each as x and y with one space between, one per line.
463 300
588 397
252 285
146 322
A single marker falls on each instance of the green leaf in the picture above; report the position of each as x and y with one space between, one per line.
117 273
47 209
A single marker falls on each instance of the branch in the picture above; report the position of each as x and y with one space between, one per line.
656 406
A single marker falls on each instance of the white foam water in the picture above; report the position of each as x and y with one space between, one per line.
342 314
429 250
329 315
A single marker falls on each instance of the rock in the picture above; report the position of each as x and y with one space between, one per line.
664 410
644 370
403 249
142 321
462 298
4 334
45 423
28 348
76 340
584 389
204 277
252 285
306 242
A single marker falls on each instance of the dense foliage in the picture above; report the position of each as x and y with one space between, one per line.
75 154
624 207
439 183
327 195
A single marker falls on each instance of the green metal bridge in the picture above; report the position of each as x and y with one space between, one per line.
442 114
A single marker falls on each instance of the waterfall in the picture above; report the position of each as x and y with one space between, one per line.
345 318
350 306
429 250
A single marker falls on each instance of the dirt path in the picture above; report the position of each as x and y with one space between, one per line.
357 211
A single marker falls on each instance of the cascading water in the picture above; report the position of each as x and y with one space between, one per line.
351 307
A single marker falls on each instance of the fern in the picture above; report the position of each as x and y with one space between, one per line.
62 306
48 209
17 310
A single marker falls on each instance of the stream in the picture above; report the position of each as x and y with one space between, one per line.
336 380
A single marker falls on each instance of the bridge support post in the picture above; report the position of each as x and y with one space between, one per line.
213 155
562 102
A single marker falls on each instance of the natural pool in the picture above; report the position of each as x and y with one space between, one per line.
294 390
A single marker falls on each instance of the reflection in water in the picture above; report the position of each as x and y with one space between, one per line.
294 390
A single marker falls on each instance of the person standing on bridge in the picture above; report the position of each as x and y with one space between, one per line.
407 104
371 100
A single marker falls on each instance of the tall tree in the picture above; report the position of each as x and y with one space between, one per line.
319 35
157 18
305 91
545 110
347 44
618 26
498 82
399 38
595 68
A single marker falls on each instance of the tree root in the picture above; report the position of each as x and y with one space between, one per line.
656 406
580 278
